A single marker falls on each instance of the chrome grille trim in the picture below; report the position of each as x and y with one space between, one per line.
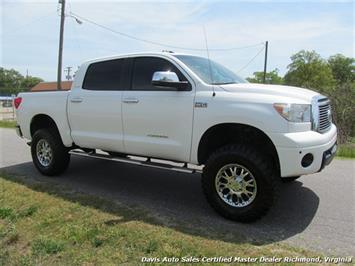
321 114
325 114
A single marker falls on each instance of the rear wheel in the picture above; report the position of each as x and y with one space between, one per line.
49 155
239 183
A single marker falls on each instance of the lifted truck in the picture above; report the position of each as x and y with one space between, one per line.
186 109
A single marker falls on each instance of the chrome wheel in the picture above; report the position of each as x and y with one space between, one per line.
236 185
44 152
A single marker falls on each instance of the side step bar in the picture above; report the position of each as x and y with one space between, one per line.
147 162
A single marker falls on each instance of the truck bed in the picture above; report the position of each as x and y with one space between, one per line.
51 103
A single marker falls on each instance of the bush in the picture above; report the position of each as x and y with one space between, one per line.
343 102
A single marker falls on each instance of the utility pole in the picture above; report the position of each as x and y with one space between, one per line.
265 62
68 70
60 53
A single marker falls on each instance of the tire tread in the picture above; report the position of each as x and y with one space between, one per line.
258 159
61 156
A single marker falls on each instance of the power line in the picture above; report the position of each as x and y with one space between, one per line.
251 60
158 43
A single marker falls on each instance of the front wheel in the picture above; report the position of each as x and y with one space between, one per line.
49 155
239 183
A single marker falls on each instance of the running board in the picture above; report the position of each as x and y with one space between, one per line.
147 163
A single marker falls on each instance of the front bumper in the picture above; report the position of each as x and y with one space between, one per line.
293 147
328 156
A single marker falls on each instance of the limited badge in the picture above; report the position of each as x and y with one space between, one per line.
200 105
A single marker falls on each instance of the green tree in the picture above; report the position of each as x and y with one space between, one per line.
343 95
343 102
343 68
271 77
12 82
309 70
10 78
29 82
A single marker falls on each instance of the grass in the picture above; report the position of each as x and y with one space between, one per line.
347 150
43 246
47 224
7 123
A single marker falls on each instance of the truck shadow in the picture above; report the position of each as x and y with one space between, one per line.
169 199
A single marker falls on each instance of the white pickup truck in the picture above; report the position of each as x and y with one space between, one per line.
187 111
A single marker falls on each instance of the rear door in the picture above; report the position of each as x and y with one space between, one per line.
157 121
94 110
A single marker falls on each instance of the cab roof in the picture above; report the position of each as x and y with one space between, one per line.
170 54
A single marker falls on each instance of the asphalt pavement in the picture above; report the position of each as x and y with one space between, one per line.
316 212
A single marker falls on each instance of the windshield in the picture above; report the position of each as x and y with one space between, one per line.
201 67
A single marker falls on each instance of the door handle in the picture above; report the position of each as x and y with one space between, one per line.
130 100
76 100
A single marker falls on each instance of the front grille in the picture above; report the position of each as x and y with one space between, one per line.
325 115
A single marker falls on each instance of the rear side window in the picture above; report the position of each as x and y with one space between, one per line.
105 75
144 68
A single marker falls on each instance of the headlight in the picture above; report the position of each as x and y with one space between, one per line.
294 112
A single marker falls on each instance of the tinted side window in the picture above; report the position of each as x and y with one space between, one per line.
104 75
144 68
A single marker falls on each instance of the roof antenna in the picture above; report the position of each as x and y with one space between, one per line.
209 61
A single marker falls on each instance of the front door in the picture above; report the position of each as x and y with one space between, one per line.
157 121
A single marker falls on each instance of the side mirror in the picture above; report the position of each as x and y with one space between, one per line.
168 79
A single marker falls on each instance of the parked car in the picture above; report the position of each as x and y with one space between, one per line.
7 104
6 101
186 109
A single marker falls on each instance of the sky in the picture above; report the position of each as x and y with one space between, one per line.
29 31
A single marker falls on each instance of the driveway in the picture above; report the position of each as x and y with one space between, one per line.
316 212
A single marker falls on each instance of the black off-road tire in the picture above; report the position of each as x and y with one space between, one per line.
60 156
262 170
289 179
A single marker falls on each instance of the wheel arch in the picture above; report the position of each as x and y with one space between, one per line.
223 134
43 121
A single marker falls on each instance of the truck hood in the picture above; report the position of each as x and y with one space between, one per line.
271 90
